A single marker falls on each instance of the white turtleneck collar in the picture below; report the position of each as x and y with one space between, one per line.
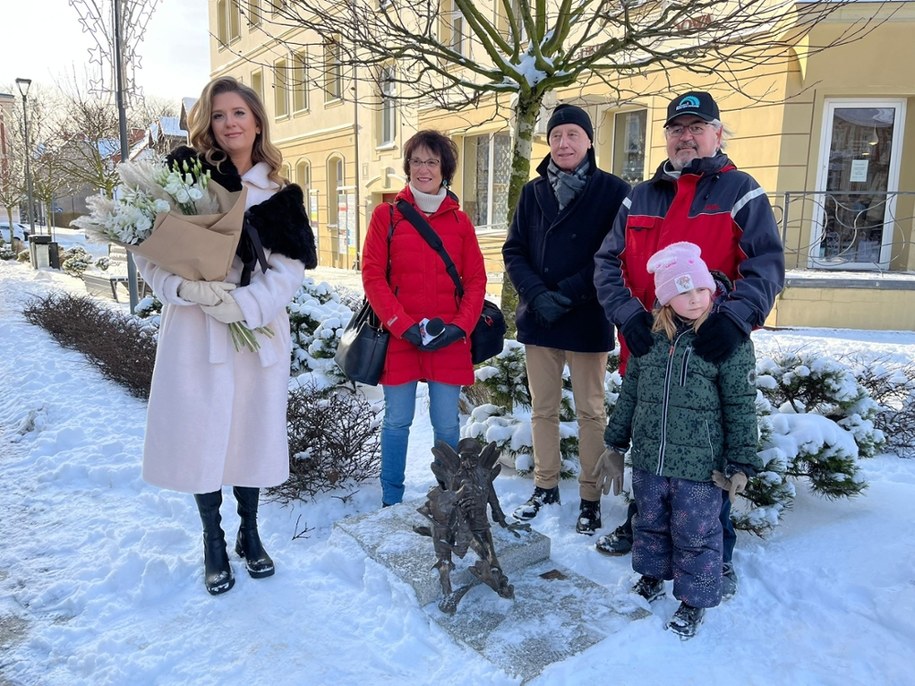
257 176
427 202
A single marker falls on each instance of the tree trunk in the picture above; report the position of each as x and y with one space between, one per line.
526 112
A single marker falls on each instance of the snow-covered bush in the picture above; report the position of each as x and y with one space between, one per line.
6 252
334 442
148 312
75 261
503 412
103 263
317 315
891 385
808 383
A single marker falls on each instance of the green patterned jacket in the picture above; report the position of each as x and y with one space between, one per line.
685 416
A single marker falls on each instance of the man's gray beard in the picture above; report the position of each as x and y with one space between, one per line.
677 165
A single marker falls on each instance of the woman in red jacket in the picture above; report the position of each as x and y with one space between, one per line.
406 283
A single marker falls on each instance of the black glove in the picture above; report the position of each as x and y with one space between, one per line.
637 333
452 334
413 336
549 306
718 337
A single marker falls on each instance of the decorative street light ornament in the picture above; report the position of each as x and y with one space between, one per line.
98 20
117 41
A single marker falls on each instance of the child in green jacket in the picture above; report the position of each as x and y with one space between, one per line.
692 427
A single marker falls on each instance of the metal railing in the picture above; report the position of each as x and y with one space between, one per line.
851 230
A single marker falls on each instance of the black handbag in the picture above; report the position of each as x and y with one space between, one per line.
363 344
488 336
363 347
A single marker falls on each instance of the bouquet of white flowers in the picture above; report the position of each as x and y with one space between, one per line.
177 218
148 188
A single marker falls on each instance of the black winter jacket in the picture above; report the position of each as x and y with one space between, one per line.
551 250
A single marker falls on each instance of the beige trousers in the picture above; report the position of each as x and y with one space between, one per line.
544 375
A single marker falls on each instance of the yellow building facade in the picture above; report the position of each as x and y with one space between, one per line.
829 135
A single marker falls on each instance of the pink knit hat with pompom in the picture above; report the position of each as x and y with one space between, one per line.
679 268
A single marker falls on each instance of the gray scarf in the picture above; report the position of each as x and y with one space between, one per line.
567 185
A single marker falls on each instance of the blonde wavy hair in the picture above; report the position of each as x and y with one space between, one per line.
665 319
201 131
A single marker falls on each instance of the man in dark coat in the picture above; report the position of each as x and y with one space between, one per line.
559 224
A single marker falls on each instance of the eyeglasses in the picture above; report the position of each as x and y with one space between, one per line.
696 129
416 163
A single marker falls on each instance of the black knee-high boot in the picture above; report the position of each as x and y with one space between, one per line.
248 544
218 577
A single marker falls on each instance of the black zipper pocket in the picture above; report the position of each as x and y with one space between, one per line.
684 368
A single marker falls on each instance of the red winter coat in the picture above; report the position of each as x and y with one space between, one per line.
419 287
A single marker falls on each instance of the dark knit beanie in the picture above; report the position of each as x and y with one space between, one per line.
570 114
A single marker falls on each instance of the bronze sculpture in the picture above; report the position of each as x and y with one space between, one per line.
456 508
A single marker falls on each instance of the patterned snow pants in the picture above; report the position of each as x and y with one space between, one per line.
677 535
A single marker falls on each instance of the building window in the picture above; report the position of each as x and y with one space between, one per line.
504 26
487 171
387 117
335 182
234 26
257 83
280 89
629 145
222 25
858 184
453 27
254 12
303 176
299 82
333 72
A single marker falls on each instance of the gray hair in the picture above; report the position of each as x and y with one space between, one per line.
726 132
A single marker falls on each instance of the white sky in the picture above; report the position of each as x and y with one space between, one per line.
43 40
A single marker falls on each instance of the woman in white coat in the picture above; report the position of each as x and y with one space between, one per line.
217 415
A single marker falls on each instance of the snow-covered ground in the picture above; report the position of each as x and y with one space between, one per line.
101 574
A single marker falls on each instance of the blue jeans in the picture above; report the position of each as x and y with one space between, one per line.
399 406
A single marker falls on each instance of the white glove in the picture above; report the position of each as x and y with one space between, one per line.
227 311
736 485
204 292
609 471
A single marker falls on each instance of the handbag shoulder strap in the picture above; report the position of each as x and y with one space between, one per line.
433 239
387 271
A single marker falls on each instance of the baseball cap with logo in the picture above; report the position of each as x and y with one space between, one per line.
696 103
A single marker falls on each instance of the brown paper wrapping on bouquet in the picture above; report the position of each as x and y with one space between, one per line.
198 247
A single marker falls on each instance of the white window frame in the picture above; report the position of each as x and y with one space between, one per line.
387 115
892 184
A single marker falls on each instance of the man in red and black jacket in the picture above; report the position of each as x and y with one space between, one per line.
697 195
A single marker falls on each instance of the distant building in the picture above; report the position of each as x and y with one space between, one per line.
7 154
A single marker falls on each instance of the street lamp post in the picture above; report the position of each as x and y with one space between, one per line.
23 86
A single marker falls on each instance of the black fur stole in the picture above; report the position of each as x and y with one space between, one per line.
283 227
280 221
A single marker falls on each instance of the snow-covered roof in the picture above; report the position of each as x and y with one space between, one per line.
171 126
